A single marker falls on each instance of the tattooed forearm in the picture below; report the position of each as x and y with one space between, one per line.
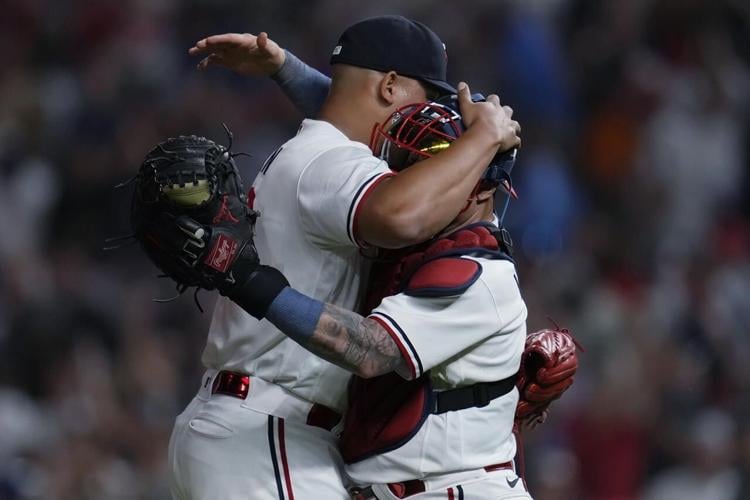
359 345
355 343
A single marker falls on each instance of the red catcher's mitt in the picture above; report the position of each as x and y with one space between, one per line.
548 364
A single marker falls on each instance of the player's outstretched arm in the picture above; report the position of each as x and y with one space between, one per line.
353 342
222 256
252 55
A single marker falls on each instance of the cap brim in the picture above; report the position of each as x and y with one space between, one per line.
445 88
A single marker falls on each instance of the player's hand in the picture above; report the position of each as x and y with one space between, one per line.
243 53
533 421
489 116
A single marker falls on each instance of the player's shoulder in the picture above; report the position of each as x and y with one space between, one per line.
322 148
443 277
316 143
323 135
456 275
499 277
313 137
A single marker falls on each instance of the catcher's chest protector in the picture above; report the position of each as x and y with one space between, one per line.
386 411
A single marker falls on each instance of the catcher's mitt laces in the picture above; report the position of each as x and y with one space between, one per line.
181 289
565 330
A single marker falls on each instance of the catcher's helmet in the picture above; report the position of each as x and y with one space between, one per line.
418 131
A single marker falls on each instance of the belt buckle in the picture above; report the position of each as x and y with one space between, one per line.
231 384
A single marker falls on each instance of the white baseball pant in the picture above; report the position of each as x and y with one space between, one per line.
226 448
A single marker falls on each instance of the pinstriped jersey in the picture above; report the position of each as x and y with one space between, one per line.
308 194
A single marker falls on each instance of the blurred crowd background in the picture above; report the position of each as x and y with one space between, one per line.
631 228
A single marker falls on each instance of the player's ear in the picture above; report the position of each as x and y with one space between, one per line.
485 194
387 90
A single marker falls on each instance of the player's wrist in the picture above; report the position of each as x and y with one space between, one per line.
295 314
254 288
286 64
483 132
278 61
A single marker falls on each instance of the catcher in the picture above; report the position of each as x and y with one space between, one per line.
437 363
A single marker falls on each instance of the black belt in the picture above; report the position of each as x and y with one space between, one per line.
472 396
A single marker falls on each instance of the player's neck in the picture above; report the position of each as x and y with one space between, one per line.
479 213
340 115
486 213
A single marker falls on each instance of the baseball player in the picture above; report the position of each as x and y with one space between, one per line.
432 408
259 426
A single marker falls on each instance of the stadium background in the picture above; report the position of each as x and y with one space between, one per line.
631 229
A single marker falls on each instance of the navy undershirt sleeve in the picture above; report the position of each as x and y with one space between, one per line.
304 85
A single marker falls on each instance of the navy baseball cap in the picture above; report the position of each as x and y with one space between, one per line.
395 43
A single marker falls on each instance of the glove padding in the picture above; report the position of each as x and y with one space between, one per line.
223 257
548 364
189 213
219 256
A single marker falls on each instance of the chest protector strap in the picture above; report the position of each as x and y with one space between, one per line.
477 395
386 412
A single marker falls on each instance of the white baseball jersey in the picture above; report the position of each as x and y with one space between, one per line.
308 194
477 336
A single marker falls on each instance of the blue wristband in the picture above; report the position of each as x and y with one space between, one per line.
295 314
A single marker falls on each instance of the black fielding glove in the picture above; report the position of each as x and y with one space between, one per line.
190 214
222 257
